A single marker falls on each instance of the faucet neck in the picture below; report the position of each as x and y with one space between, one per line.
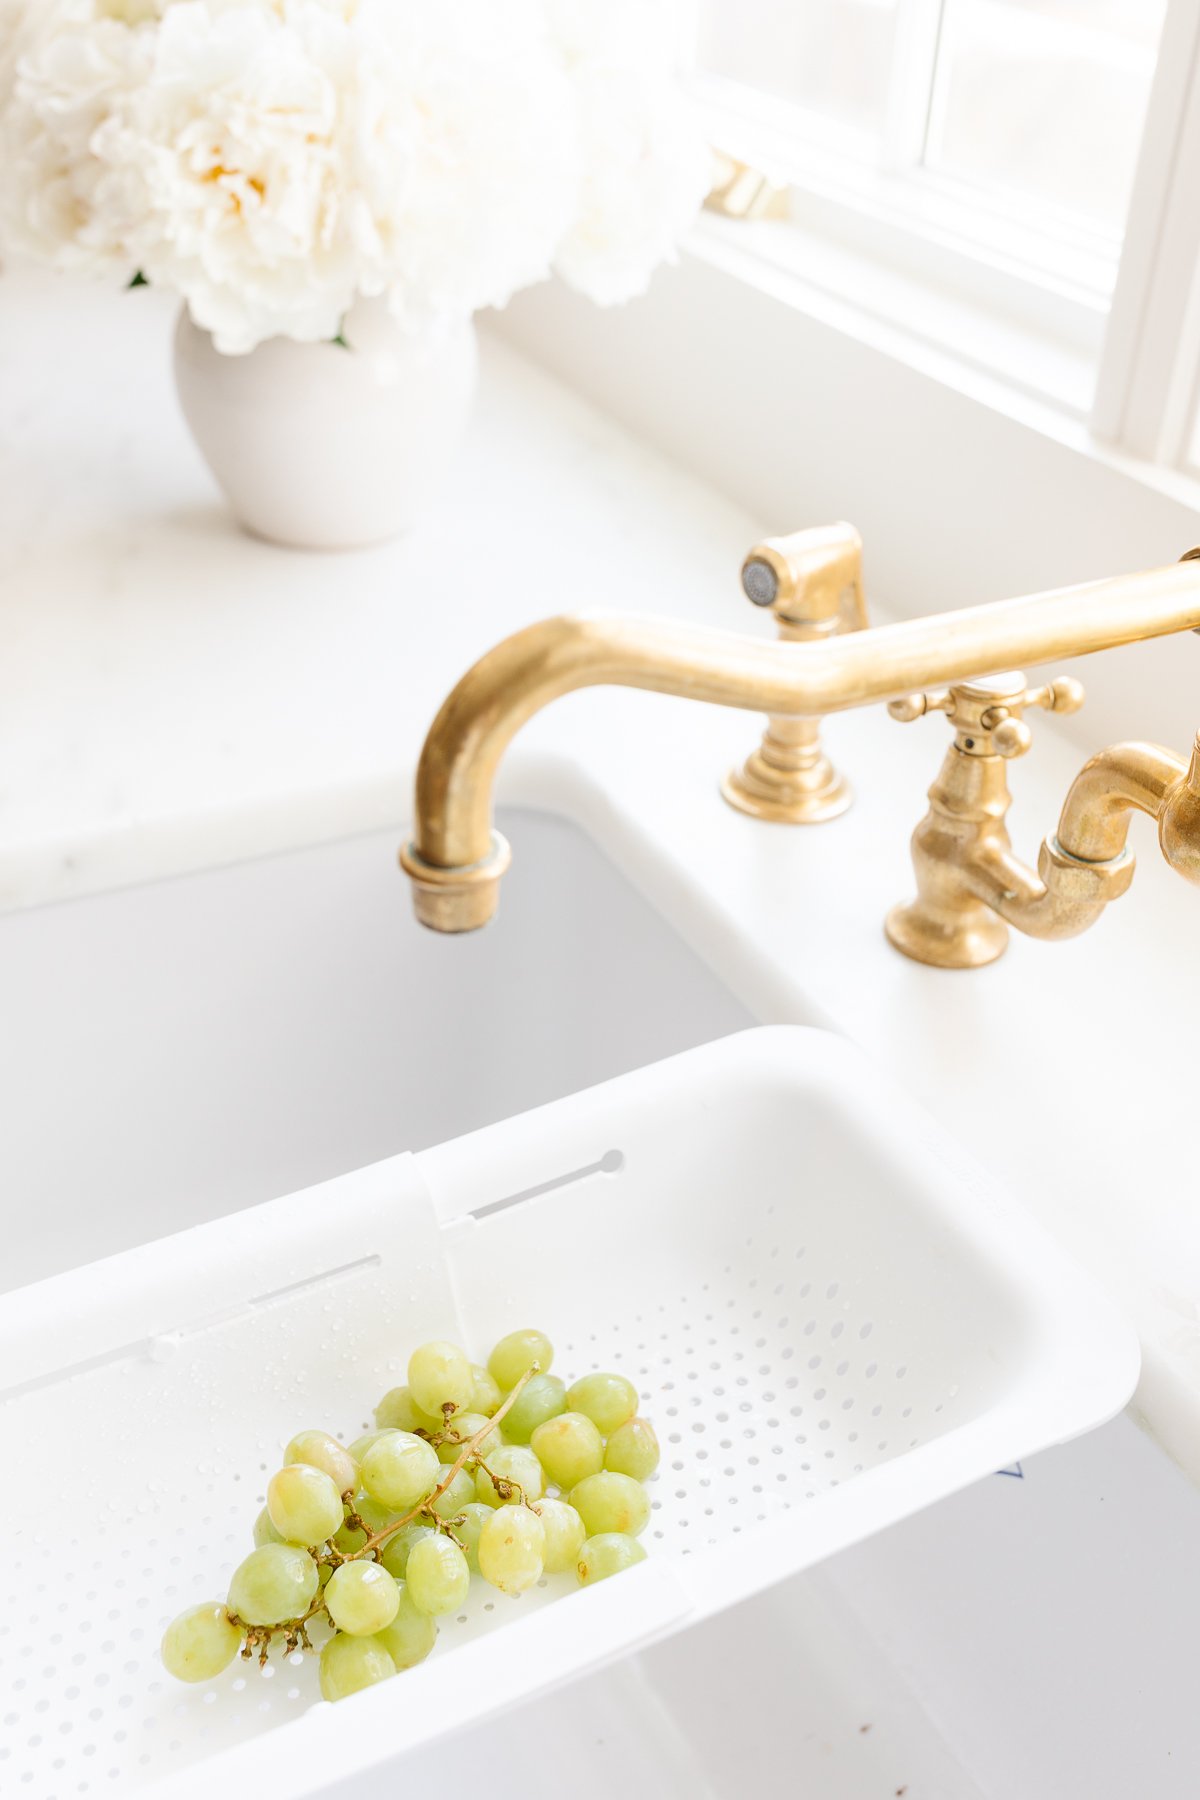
949 925
971 789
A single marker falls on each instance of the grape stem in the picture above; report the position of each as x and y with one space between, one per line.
259 1637
504 1485
464 1457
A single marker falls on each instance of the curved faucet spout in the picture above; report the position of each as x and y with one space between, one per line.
1108 790
455 860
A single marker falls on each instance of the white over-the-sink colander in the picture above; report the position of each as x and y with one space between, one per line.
833 1317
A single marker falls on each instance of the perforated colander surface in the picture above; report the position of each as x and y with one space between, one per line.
766 1384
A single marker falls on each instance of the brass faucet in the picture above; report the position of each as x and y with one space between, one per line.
456 859
969 883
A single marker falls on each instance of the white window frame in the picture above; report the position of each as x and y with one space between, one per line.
1126 369
1149 375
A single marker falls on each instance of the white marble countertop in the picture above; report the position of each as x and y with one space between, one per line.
174 695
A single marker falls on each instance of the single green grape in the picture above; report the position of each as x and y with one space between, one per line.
399 1470
324 1452
304 1504
607 1554
611 1502
517 1467
459 1493
568 1448
398 1411
439 1375
438 1577
264 1531
275 1583
564 1535
472 1520
633 1449
396 1552
512 1547
516 1353
485 1391
349 1664
358 1449
200 1642
362 1598
411 1635
608 1400
543 1397
462 1428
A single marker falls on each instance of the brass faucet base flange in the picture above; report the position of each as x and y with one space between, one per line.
807 797
975 937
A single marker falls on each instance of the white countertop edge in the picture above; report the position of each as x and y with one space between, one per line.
76 866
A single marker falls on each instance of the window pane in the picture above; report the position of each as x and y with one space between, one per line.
829 56
1045 99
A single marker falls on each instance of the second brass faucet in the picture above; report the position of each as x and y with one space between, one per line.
971 886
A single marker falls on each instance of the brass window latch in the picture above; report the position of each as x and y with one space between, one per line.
741 191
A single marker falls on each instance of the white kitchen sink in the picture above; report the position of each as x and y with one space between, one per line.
174 1051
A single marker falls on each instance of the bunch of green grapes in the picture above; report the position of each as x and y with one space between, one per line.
503 1472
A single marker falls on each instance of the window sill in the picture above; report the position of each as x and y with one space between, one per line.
1019 373
991 360
942 236
911 319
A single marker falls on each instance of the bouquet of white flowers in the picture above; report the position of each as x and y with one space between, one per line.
272 161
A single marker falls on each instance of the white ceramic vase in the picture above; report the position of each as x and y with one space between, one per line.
323 447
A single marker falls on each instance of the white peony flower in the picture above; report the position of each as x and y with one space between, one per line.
56 194
230 159
495 167
271 160
14 21
627 33
645 164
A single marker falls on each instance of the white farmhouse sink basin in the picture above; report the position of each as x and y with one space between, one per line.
174 1052
171 1052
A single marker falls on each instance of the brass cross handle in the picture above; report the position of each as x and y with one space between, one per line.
987 712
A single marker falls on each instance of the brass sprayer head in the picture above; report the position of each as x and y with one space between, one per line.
809 579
